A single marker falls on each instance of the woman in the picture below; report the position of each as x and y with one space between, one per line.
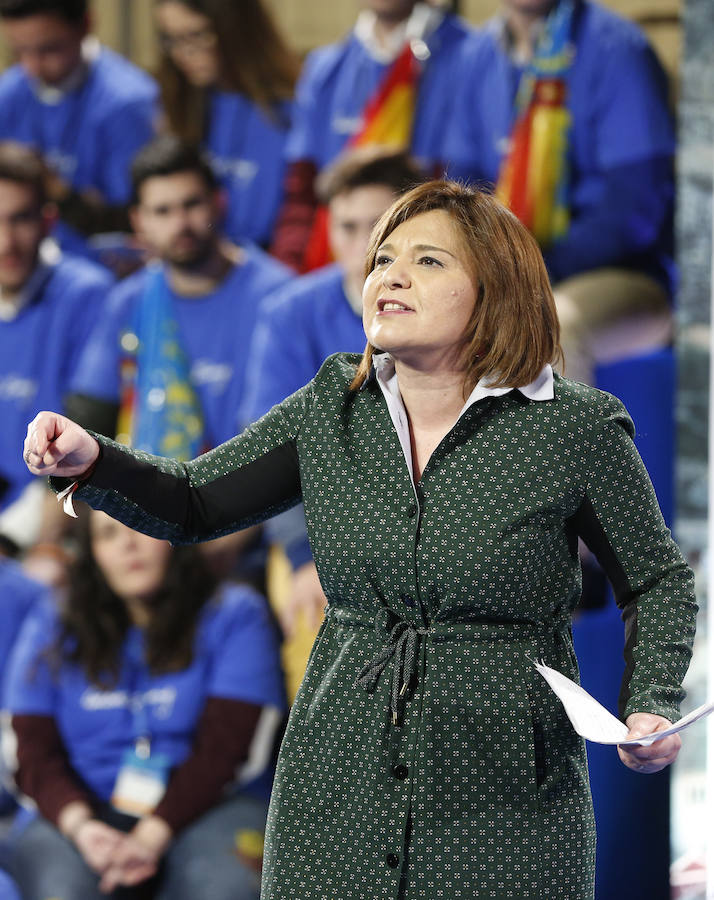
227 80
445 480
148 673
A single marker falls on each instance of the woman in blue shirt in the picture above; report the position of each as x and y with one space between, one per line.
137 705
227 81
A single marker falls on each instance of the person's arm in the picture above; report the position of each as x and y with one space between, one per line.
620 521
43 769
244 481
223 738
634 208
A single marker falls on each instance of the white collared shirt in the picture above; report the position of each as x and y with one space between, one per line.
386 375
422 22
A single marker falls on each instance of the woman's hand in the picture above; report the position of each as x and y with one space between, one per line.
55 445
658 755
137 856
97 843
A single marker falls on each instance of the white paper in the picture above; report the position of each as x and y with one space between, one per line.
592 721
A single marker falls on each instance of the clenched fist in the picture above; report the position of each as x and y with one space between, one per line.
55 445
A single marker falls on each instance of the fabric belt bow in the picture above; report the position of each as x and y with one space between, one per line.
402 643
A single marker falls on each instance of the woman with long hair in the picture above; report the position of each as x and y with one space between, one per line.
143 705
227 79
447 475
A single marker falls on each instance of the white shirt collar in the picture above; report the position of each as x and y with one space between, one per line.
386 375
422 22
539 389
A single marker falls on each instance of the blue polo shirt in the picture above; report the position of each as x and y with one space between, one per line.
246 146
297 329
339 79
39 354
235 657
91 136
216 330
621 142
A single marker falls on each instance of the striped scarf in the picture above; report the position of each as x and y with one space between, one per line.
534 176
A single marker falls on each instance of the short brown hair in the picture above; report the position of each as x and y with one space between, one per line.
22 165
513 331
367 166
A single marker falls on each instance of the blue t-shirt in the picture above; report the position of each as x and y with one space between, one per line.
297 329
18 595
235 657
91 136
339 79
247 149
620 146
39 353
215 331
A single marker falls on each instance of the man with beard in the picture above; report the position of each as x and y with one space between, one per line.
170 351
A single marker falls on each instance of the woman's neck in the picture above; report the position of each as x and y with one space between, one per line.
432 400
138 611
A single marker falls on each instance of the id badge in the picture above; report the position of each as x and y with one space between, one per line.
141 783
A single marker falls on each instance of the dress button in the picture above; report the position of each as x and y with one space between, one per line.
400 772
408 600
392 860
412 510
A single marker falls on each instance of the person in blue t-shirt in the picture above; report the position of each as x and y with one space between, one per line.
85 108
339 81
227 80
146 709
610 253
48 306
201 293
315 316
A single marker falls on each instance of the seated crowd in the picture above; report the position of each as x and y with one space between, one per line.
178 254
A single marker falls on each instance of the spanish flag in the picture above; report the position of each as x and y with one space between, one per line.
387 120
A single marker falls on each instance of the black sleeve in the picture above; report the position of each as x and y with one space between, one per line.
244 481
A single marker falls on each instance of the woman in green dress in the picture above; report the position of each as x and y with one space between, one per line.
446 476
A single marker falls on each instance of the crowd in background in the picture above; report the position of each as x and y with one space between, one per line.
180 251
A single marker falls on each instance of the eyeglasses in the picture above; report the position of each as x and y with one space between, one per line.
189 41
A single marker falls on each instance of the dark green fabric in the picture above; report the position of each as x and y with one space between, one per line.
481 790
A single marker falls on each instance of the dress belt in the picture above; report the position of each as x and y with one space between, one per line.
401 642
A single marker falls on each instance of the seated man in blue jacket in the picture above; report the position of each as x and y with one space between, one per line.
563 106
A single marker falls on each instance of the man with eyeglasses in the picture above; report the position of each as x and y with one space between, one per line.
85 108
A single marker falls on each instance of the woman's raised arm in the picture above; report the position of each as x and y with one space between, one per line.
244 481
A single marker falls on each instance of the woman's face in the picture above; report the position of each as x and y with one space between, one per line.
189 39
133 564
419 298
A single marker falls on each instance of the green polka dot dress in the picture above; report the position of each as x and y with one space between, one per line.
424 756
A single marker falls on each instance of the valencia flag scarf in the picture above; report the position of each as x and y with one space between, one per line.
533 181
